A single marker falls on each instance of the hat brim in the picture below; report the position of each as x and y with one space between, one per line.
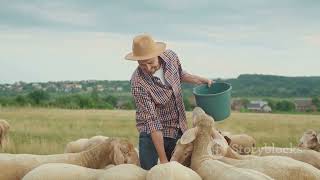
160 48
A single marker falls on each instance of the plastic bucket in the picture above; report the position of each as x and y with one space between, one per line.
214 100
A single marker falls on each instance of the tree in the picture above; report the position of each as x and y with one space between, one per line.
128 105
111 100
316 101
39 96
272 103
285 106
21 100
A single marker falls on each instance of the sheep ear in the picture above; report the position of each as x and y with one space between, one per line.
118 157
189 136
227 139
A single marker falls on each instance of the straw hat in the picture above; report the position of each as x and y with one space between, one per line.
144 47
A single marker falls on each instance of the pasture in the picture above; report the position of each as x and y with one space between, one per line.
47 131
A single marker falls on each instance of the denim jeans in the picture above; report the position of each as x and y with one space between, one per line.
147 152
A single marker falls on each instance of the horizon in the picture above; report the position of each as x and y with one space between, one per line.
55 81
43 41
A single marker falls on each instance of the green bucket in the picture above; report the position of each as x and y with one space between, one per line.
214 100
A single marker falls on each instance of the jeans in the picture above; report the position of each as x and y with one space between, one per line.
147 152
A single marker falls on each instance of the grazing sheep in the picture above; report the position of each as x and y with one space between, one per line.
203 161
111 151
305 155
310 140
4 129
60 171
83 144
172 171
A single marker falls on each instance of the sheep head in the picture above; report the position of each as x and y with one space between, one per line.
182 153
309 139
124 153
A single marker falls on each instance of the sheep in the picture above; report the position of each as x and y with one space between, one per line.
242 143
83 144
4 129
276 167
305 155
310 140
111 151
171 171
124 172
61 171
203 161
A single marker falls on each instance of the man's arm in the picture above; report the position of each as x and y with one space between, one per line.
193 79
157 139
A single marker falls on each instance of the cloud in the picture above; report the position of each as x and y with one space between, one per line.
56 12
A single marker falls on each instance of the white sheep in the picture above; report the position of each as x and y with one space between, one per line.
305 155
242 143
83 144
203 161
172 171
310 140
111 151
276 167
61 171
4 130
124 172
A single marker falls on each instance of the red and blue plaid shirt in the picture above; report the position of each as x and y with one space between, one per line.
159 106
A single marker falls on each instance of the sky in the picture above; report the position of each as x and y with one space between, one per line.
42 40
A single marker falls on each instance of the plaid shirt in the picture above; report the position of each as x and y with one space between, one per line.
159 106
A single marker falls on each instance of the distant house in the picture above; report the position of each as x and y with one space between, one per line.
89 89
303 104
119 88
100 87
36 86
259 106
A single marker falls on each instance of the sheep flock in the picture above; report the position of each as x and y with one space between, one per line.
203 152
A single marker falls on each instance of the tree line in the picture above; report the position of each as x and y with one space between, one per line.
93 100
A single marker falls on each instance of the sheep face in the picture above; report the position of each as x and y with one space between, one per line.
196 113
309 140
182 153
124 153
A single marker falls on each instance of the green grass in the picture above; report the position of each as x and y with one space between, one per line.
47 131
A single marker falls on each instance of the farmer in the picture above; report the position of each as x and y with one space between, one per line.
156 89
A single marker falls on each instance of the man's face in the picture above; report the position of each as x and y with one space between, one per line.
149 65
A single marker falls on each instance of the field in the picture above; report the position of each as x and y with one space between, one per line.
47 131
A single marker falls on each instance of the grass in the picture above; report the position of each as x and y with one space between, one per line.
47 131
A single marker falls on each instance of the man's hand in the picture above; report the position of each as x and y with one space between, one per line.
209 82
189 78
164 161
157 139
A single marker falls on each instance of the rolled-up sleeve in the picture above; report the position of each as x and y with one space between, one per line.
145 109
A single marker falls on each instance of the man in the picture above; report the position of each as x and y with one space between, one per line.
156 89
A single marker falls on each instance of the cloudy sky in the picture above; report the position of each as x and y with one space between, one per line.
42 40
